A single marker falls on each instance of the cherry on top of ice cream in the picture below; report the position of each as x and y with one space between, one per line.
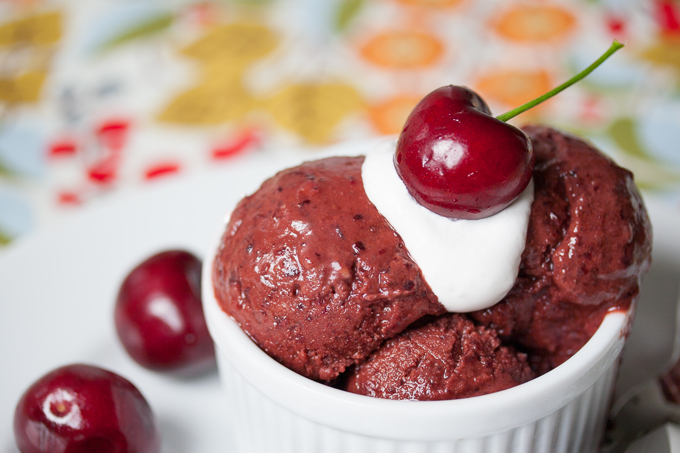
460 162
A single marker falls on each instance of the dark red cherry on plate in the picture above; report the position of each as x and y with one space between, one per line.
159 316
84 409
459 161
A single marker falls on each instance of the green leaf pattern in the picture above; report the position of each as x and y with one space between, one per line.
143 29
4 239
347 10
623 133
650 174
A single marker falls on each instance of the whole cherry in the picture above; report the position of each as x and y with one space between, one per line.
84 409
460 162
159 316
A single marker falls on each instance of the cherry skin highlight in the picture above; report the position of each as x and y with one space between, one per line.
159 316
84 409
459 161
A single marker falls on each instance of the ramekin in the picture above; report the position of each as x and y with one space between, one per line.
274 409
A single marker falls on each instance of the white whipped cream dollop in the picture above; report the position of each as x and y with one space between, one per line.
469 264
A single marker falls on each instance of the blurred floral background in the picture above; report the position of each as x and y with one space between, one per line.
103 96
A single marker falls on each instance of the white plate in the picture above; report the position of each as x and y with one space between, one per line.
57 290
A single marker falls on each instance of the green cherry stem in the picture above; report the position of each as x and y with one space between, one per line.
523 108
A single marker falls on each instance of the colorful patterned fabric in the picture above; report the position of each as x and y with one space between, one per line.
104 95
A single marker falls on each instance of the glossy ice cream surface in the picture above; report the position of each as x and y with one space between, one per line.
588 246
313 272
319 279
449 357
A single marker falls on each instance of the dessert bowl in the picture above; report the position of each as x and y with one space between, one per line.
274 409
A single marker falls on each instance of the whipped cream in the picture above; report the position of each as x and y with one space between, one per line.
469 264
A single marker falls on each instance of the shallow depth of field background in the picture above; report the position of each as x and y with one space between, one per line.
102 97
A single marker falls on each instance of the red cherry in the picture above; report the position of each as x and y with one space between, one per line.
459 161
159 316
83 409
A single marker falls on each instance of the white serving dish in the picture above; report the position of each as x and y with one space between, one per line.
273 409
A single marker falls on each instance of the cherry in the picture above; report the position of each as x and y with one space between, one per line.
159 316
83 409
460 162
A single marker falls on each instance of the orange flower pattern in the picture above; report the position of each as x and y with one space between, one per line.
401 49
512 88
388 117
150 91
534 23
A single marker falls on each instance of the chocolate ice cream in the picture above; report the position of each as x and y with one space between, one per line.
320 280
588 246
314 274
447 358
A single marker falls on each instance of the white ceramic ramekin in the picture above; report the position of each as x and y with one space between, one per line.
274 409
